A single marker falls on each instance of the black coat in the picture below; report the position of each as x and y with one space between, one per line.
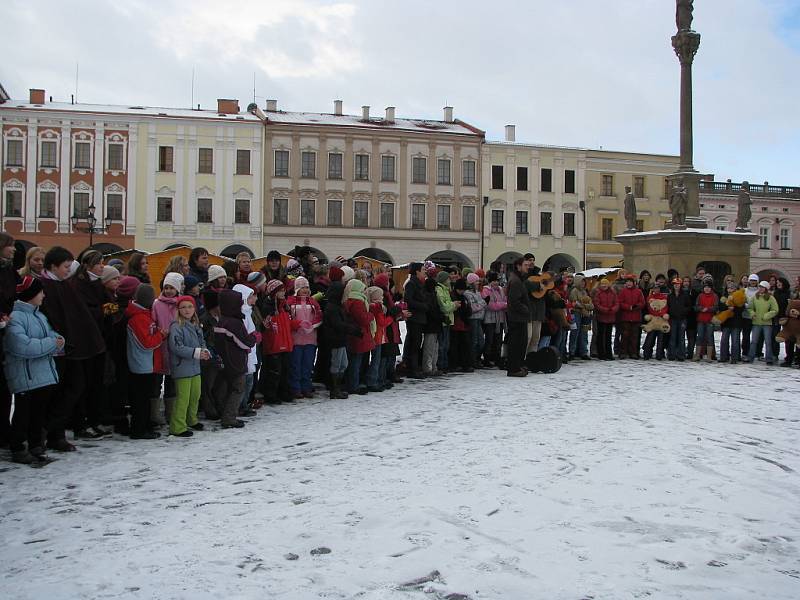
417 300
680 306
337 323
435 316
519 310
70 316
231 339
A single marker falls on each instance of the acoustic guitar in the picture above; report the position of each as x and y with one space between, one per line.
541 284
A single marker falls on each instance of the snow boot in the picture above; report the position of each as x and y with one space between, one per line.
157 411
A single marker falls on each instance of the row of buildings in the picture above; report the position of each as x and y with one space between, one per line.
392 188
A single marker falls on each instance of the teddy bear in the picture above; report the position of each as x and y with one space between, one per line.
656 318
736 300
791 324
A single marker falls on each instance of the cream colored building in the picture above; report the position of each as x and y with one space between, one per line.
395 189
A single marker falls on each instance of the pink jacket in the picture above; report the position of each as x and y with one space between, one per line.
306 317
496 304
164 312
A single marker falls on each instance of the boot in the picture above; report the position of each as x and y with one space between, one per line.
698 353
157 411
337 392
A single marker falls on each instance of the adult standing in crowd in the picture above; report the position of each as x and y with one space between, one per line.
198 264
517 317
9 278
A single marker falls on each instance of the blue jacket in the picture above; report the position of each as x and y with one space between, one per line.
184 356
29 345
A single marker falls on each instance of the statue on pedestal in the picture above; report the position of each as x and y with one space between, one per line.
683 14
630 211
744 214
678 203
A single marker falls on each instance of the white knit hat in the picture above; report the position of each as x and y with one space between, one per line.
215 272
300 282
348 273
175 280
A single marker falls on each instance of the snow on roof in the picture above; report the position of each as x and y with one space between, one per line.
112 109
690 230
600 272
308 118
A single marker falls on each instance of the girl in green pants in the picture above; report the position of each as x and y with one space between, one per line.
186 349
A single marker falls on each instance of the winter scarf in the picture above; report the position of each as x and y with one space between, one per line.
356 290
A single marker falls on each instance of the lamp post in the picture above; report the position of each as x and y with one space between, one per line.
91 223
582 206
483 224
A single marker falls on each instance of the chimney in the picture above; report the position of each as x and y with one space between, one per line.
272 106
511 133
365 113
337 107
390 114
227 106
37 96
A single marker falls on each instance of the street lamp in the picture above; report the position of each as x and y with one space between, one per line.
582 206
91 223
483 224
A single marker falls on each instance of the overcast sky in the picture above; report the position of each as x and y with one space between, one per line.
586 73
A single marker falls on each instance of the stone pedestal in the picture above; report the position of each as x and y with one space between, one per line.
684 249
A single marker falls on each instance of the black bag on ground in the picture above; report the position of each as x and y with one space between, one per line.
546 360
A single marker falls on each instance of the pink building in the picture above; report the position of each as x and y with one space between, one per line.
776 220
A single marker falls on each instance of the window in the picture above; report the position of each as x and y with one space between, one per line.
360 214
419 167
362 167
307 212
639 224
81 202
47 205
443 171
387 214
49 154
763 238
418 216
784 238
468 218
308 165
608 229
522 221
13 203
547 180
546 223
387 168
721 206
83 155
497 221
522 179
721 228
334 165
443 216
115 157
165 158
241 210
569 224
280 211
114 207
14 153
204 214
497 177
243 162
569 181
164 209
205 161
608 185
667 188
638 187
335 212
281 163
468 172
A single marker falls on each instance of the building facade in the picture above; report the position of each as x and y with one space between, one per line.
393 189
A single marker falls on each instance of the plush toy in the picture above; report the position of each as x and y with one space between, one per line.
736 300
791 328
656 318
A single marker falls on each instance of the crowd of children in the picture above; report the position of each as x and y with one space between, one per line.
89 347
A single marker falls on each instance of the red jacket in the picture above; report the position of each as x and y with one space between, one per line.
631 303
277 337
149 337
362 318
381 320
657 296
606 305
705 306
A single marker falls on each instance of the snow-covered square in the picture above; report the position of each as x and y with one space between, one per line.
604 480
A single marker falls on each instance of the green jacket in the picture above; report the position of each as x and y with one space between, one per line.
445 302
763 309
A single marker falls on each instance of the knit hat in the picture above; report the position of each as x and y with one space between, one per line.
145 296
764 284
707 278
256 279
210 298
186 299
175 280
294 268
73 268
753 277
273 255
480 272
578 278
335 273
465 271
300 283
215 272
443 277
605 281
273 285
432 271
472 278
348 273
460 284
381 280
189 282
29 288
108 274
127 286
116 263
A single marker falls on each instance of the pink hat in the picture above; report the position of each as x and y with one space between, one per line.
472 278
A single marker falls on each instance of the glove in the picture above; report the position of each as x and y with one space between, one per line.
318 296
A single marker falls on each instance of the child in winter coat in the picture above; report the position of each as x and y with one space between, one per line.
655 338
494 319
357 306
306 317
248 300
631 303
29 344
477 306
679 306
432 331
582 308
145 359
391 347
763 308
375 377
210 369
165 310
186 349
233 343
606 306
460 346
338 326
448 308
277 344
704 307
730 341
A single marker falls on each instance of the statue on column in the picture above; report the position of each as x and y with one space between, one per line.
744 214
630 211
683 14
679 203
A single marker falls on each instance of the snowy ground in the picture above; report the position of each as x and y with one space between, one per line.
605 480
